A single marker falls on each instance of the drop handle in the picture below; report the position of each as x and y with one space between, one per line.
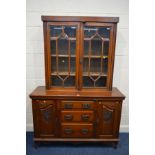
84 131
68 117
86 106
85 117
68 131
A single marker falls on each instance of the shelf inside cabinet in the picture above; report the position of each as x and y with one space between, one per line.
91 39
94 74
56 38
63 55
95 56
63 73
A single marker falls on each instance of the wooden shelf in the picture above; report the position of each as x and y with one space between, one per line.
85 39
63 73
85 56
104 39
73 74
95 56
63 55
93 74
70 38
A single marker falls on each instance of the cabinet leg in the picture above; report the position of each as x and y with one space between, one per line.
115 145
35 145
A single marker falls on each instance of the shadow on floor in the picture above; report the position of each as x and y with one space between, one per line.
77 148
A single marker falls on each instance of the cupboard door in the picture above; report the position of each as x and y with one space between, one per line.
97 42
44 118
109 119
63 53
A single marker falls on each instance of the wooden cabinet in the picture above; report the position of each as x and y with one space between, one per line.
78 102
79 53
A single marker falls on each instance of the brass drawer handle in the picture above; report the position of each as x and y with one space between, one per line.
86 106
68 117
68 131
85 117
84 131
68 106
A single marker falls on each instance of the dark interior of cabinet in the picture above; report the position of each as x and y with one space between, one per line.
95 65
63 56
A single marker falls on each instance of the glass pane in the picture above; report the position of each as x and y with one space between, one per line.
96 49
101 82
86 47
73 47
95 65
106 48
56 81
62 64
53 47
72 65
96 46
105 66
62 46
63 55
87 82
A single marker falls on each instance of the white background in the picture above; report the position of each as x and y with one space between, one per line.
35 45
13 77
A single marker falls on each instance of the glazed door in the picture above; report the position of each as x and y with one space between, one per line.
97 51
109 114
63 51
44 118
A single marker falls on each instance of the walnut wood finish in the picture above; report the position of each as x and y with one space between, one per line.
76 130
77 113
80 19
68 115
80 23
44 114
76 116
42 93
77 105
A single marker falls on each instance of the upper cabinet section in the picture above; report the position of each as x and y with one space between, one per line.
79 52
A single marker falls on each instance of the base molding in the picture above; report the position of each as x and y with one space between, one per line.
123 128
75 140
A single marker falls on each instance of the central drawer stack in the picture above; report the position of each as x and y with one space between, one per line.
77 118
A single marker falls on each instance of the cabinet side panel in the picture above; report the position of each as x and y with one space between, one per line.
112 56
46 56
35 118
118 108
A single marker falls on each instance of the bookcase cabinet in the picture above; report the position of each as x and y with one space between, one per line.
78 102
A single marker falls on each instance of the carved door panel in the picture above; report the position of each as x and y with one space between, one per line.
108 119
45 118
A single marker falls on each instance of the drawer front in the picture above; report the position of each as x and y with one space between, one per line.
76 105
77 116
76 130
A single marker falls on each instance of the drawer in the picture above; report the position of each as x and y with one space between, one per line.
76 130
77 116
76 105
